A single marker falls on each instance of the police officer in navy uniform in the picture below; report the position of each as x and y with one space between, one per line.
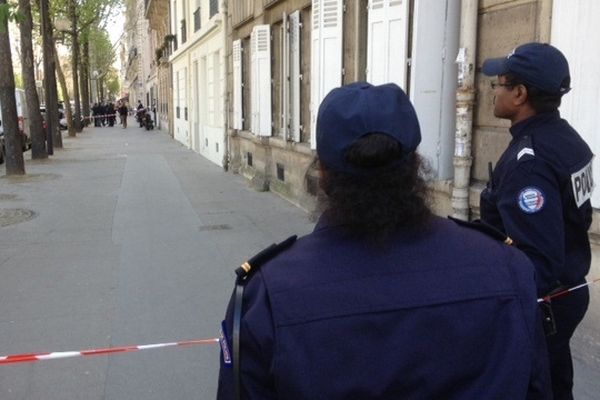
539 192
382 300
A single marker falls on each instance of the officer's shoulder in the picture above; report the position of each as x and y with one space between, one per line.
525 150
484 228
257 261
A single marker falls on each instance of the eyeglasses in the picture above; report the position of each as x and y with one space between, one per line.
495 85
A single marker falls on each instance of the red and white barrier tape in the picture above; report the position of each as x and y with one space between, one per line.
567 291
21 358
100 116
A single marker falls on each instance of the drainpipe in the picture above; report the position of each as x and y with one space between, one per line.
224 91
465 100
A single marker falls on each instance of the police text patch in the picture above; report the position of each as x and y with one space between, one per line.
531 200
583 184
224 345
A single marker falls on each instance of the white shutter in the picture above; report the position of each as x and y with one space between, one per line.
326 68
261 80
387 42
294 91
254 87
210 89
237 85
285 77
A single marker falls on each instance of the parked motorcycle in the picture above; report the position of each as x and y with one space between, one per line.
148 121
141 116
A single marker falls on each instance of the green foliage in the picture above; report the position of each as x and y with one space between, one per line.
102 54
8 12
19 81
113 86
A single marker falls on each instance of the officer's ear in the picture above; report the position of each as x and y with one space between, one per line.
520 95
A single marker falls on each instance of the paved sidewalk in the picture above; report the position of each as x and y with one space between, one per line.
130 238
133 240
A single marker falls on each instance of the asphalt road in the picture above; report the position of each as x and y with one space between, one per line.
129 238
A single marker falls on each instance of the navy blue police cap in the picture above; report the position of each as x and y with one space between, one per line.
351 112
540 65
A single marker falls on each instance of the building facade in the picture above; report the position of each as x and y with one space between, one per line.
199 70
248 77
287 55
159 47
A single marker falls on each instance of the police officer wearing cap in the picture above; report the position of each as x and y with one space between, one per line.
382 300
539 192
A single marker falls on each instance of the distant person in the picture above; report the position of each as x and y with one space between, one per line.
110 111
382 300
123 111
96 114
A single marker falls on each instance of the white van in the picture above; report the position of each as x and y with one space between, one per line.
22 116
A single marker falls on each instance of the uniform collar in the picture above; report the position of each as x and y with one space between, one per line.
325 222
521 128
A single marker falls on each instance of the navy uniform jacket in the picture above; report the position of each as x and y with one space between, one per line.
539 195
439 313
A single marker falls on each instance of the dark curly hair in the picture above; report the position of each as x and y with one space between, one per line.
390 196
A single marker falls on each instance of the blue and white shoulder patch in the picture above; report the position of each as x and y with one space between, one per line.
531 200
582 182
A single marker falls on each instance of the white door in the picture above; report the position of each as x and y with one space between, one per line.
576 32
326 55
387 42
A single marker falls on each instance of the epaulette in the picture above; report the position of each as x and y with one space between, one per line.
484 228
525 151
254 263
243 273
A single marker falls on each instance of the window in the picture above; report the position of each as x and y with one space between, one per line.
290 77
197 19
183 31
280 172
214 8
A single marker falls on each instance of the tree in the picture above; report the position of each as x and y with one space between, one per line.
54 137
85 77
15 165
75 57
84 16
66 97
36 130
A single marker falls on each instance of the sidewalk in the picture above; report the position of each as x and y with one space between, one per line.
130 238
133 240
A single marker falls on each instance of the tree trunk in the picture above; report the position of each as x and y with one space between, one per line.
67 98
15 165
85 78
53 137
101 88
36 129
75 58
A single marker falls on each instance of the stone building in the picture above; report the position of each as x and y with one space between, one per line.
199 71
287 55
248 77
158 82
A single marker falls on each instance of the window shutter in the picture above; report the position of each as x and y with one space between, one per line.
387 42
285 77
326 68
237 84
294 92
261 80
